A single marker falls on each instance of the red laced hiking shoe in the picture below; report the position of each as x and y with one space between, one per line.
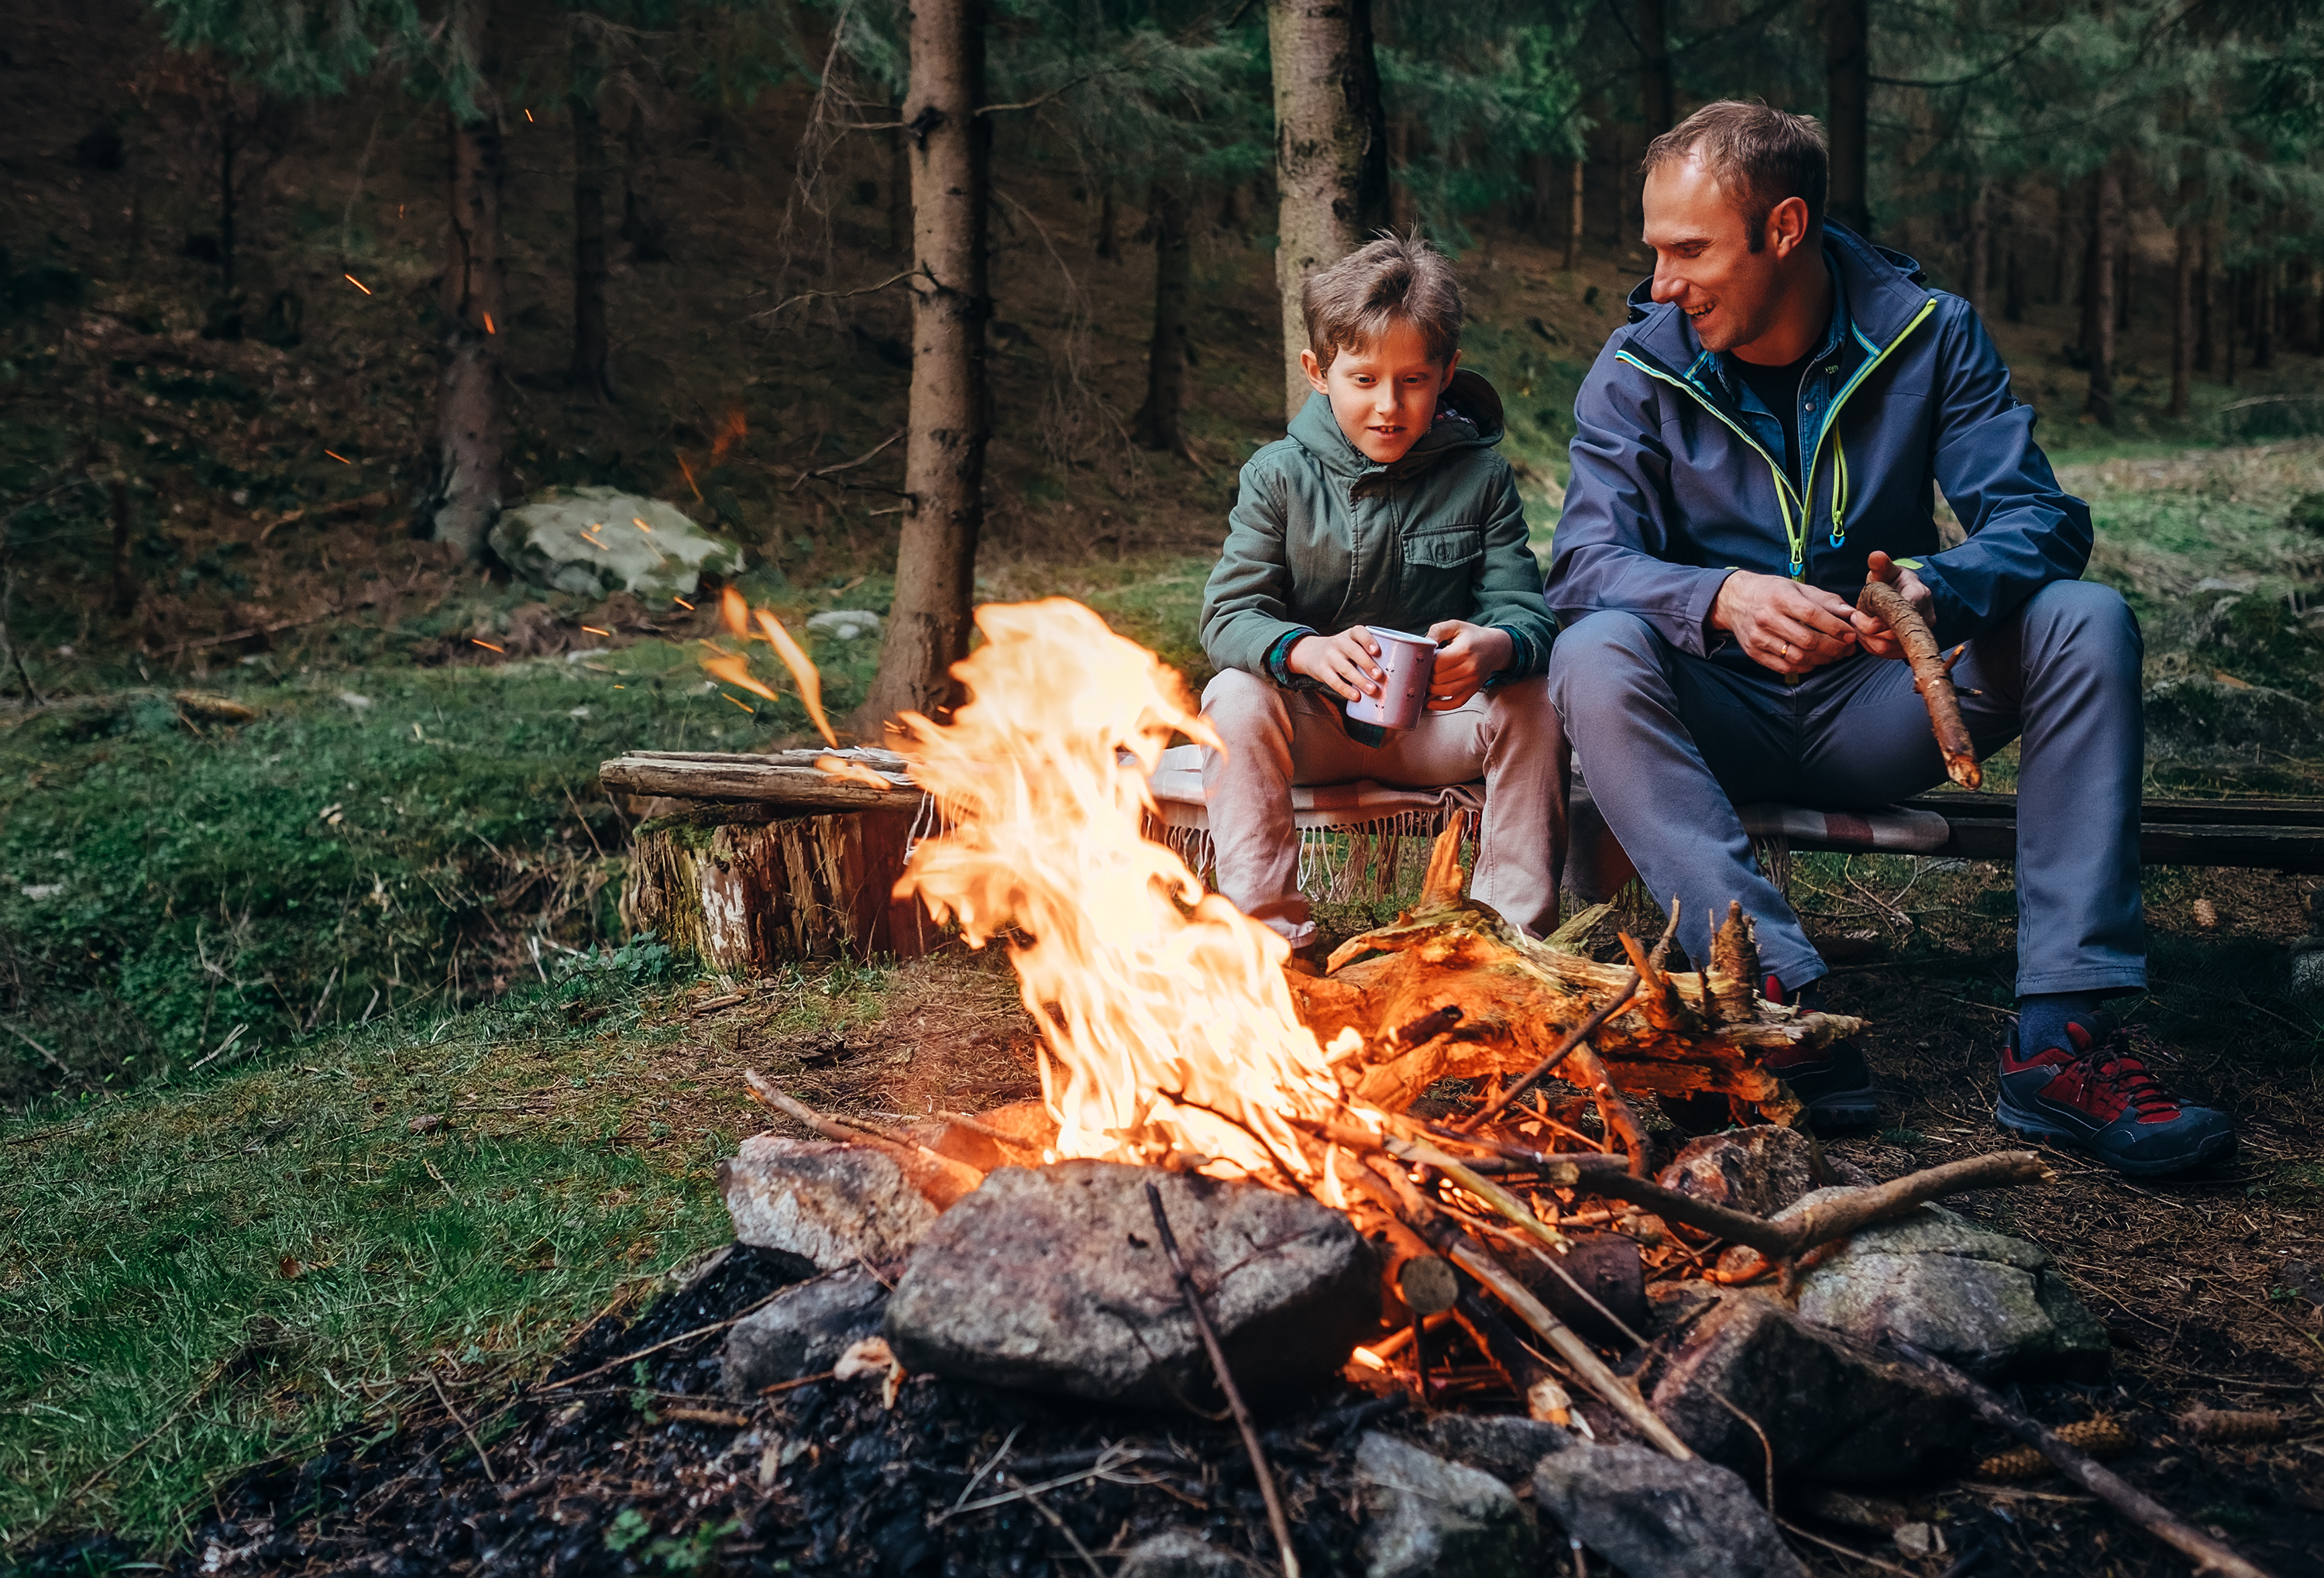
1833 1082
2098 1096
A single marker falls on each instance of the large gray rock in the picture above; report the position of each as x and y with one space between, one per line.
804 1331
1052 1278
1985 1301
1177 1553
1655 1516
1428 1517
587 540
1505 1445
1760 1169
830 1204
2204 717
1833 1415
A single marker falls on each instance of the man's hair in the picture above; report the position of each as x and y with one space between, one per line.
1349 305
1759 157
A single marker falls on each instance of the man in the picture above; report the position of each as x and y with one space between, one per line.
1771 424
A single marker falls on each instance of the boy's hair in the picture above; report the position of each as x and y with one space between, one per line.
1759 157
1350 304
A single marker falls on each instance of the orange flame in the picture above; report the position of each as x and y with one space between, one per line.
731 433
737 613
1155 999
736 671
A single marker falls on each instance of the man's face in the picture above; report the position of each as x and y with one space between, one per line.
1384 394
1703 259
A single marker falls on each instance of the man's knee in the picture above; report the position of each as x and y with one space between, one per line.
2086 618
1597 662
1521 710
1242 707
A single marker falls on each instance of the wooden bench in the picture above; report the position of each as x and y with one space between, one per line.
749 860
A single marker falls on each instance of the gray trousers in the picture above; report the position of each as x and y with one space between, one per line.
1277 738
1671 743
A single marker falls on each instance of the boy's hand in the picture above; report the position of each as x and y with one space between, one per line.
1784 624
1872 635
1346 663
1467 655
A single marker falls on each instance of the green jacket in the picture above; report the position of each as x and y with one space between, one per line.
1323 538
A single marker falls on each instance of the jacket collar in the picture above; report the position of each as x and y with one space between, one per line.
1880 291
1476 423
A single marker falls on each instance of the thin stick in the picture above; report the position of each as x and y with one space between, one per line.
2208 1554
1396 1194
572 1380
1623 997
1275 1520
465 1429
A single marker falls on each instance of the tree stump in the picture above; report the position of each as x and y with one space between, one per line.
747 887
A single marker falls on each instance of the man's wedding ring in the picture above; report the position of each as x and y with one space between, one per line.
1787 653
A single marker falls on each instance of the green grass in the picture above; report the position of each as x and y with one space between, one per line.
377 839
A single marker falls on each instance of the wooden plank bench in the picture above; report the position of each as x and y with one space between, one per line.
751 860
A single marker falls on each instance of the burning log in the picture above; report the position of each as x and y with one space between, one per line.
1526 1007
1933 676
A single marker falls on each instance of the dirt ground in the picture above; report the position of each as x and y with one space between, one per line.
644 1469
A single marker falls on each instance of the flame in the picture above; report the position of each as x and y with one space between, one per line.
738 613
736 671
1155 999
731 433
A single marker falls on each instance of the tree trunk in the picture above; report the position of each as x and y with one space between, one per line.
2086 295
944 460
1980 243
2182 314
2061 247
1403 203
1573 221
225 205
1848 94
2234 311
125 573
2106 243
2203 288
2013 279
2126 273
2263 354
592 355
1156 424
1109 227
900 186
466 497
1330 153
643 225
1656 98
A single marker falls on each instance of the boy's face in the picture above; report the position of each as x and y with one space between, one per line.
1385 393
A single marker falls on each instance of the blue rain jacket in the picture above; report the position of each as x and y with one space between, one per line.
1679 477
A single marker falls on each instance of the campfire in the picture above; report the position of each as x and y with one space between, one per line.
1438 1129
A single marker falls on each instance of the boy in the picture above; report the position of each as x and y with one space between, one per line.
1387 506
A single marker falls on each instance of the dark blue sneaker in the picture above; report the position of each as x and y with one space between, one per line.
2097 1095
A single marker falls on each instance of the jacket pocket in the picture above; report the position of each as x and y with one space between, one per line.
1448 548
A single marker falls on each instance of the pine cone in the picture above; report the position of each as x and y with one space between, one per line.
2098 1437
2226 1425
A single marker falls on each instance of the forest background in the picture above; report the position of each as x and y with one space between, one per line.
291 300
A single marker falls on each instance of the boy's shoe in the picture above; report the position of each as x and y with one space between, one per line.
2098 1096
1833 1082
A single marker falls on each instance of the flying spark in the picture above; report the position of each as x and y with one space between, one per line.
488 324
358 284
639 521
593 629
696 486
528 114
342 459
487 645
682 602
752 710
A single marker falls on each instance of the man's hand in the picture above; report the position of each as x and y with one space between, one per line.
1784 624
1467 655
1346 663
1870 633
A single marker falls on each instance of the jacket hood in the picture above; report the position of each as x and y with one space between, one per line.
1883 290
1469 397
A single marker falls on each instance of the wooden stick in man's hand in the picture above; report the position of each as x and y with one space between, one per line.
1881 600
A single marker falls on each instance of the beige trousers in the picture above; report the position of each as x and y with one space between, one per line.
1276 738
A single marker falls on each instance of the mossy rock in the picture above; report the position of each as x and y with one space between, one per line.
2205 717
595 541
